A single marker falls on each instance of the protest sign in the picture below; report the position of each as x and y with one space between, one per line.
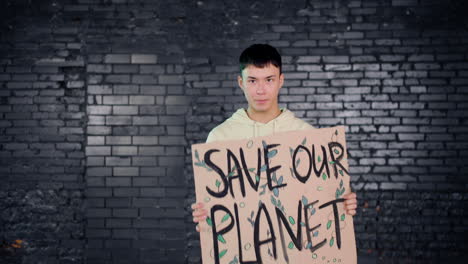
275 199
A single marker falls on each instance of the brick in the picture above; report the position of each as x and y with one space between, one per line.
142 100
99 110
115 99
283 28
99 68
125 171
144 79
117 58
124 151
124 68
171 79
125 89
118 181
144 59
97 151
335 59
145 120
118 140
118 120
125 110
177 100
117 161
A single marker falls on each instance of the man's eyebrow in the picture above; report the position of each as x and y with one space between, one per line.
251 77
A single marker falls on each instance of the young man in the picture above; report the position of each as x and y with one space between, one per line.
261 79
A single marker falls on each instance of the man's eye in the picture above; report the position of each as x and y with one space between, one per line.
269 80
251 81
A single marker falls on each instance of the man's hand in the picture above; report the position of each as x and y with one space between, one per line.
350 203
199 214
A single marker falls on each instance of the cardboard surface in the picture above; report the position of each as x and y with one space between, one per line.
275 199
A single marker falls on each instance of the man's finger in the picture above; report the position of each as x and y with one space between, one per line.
199 218
197 205
351 212
199 213
351 201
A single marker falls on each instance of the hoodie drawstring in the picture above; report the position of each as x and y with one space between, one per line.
255 129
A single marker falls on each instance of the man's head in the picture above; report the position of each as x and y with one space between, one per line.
259 55
261 77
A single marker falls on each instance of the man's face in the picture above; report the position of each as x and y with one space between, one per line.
261 87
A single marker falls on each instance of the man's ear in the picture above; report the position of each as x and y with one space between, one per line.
240 82
281 79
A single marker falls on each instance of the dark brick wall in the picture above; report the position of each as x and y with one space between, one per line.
100 101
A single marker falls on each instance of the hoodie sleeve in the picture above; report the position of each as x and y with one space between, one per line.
211 137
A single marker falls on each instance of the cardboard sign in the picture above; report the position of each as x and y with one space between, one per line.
275 199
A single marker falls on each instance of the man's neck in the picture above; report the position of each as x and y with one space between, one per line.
263 117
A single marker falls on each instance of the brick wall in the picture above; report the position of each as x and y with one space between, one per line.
100 101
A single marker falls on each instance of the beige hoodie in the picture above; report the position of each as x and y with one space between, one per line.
240 126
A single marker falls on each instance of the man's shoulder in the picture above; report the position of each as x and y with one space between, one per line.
220 131
295 123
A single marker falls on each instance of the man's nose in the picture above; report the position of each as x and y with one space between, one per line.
261 88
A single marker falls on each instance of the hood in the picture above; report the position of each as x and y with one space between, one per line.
240 116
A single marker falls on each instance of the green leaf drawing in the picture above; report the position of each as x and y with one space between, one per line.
221 239
316 233
292 221
304 200
208 220
337 151
196 155
342 217
272 153
341 172
297 162
273 200
263 168
341 183
257 178
222 253
332 240
251 169
304 141
319 159
276 192
291 245
234 261
218 183
324 176
225 217
329 224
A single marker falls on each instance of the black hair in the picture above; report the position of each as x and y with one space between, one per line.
259 55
